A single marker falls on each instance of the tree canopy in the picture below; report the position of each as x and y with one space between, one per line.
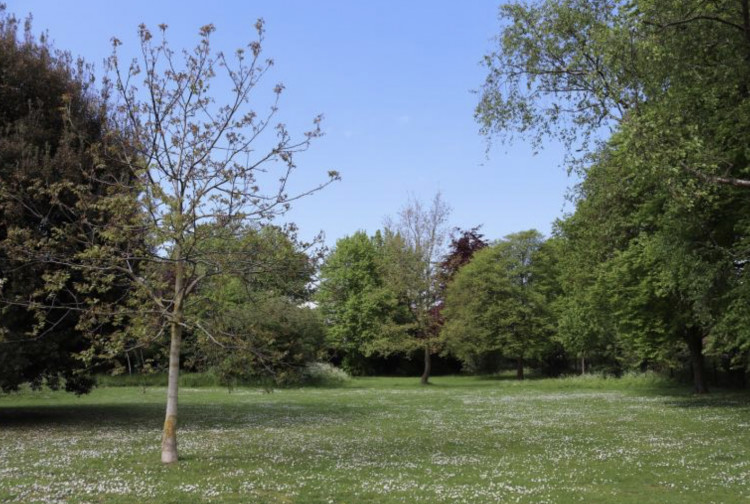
493 303
650 98
57 204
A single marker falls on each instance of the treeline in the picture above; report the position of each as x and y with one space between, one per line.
580 301
116 258
650 271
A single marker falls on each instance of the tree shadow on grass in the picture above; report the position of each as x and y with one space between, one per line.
729 400
192 416
85 415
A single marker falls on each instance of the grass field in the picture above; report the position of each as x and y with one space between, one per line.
383 440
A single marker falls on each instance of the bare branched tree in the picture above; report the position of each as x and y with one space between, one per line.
425 231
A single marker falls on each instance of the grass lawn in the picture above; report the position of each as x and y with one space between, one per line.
383 440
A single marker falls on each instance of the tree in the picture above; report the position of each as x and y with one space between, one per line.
644 268
464 244
200 168
669 80
567 69
56 203
362 299
493 303
424 233
256 318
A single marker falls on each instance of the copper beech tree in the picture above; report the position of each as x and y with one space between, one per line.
206 168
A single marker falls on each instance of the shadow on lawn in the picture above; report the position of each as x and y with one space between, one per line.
78 415
731 400
134 416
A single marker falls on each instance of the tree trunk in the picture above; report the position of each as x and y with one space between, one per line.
519 368
425 379
583 364
695 344
169 436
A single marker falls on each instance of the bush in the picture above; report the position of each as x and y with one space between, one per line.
323 374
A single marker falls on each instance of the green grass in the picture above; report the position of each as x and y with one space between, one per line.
471 440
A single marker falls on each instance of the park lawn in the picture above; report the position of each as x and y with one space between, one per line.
383 440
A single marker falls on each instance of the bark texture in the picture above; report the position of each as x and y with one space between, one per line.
169 436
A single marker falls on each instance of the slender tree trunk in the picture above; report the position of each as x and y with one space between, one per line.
130 368
519 368
583 364
169 436
425 379
695 344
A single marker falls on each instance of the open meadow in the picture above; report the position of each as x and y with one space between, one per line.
380 440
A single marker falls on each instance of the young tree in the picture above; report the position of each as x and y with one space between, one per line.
424 231
201 166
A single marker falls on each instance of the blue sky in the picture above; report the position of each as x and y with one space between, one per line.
394 80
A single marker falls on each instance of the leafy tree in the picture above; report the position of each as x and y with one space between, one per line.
494 304
655 264
423 231
566 69
57 200
362 298
669 79
255 323
464 244
202 167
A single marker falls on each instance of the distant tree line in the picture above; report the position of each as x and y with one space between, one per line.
649 272
107 269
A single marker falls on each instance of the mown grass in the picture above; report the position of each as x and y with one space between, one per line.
381 440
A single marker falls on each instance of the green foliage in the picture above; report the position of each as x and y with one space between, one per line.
673 72
251 321
362 295
561 69
645 271
273 338
323 374
158 380
495 304
654 255
61 197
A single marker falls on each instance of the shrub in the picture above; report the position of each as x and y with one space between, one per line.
323 374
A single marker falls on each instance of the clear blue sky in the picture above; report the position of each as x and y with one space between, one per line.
394 81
